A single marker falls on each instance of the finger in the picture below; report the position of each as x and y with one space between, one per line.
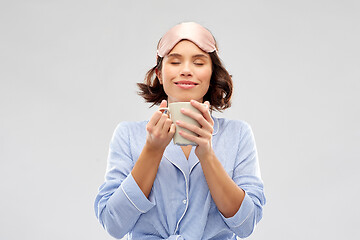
189 137
160 124
155 118
163 104
167 125
157 115
172 129
198 117
199 131
208 104
203 109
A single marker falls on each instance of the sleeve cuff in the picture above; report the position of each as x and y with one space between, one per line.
245 210
134 194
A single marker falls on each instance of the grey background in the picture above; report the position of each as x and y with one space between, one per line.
68 74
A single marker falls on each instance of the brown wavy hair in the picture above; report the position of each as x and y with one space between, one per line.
219 92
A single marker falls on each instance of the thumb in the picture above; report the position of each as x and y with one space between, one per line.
207 103
163 103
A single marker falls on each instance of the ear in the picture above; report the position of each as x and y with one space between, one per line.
158 74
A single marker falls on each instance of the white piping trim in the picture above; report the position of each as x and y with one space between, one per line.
187 195
193 167
131 200
244 219
253 209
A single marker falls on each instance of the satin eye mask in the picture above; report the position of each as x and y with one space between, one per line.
189 31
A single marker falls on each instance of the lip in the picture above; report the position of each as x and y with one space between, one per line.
185 84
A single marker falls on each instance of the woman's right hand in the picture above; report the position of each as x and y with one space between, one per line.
160 130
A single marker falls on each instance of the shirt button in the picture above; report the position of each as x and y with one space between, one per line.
184 201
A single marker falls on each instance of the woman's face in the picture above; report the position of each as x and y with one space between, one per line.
185 73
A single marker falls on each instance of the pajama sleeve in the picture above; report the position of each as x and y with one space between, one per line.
120 202
247 176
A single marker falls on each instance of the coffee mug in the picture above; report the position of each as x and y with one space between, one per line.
175 114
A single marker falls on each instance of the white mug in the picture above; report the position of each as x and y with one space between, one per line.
174 110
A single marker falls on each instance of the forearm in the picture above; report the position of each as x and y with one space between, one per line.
146 167
226 194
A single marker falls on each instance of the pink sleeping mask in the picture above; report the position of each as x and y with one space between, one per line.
189 31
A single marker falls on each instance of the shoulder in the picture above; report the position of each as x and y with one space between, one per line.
131 125
232 126
130 128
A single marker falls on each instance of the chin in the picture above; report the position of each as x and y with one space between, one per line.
184 98
188 100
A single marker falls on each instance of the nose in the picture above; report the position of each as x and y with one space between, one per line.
185 70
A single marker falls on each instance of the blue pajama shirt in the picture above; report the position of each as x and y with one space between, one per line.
180 205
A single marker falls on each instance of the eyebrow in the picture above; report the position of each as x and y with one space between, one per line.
195 56
200 55
174 55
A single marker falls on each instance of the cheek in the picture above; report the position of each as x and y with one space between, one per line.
168 73
205 74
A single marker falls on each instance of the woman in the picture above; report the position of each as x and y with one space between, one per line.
154 189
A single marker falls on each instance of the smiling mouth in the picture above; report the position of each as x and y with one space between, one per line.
183 83
186 85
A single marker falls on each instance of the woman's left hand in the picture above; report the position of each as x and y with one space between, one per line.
205 131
